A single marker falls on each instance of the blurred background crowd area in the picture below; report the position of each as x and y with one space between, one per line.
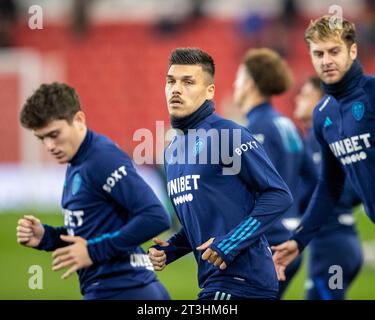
115 54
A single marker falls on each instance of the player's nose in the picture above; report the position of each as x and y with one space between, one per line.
176 89
326 59
49 144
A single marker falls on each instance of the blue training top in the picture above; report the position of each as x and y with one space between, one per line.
344 126
342 220
236 207
106 202
283 144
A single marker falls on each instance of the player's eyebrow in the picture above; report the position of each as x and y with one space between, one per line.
317 51
334 48
184 77
48 134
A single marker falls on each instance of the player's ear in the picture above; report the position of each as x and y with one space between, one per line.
353 51
210 91
80 118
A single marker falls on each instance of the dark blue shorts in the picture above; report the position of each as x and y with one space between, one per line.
225 295
152 291
339 249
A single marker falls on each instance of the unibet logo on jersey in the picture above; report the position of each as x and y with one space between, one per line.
181 185
351 150
72 220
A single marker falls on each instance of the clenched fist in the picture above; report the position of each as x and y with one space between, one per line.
30 231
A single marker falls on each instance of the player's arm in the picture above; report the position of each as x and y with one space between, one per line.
351 197
165 252
326 194
32 233
147 216
273 199
309 179
321 206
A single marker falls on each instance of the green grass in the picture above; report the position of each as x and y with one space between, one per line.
180 278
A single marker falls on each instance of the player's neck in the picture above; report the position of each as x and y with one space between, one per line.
348 83
81 137
253 101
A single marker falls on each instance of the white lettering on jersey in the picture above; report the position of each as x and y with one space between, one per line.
352 149
72 220
138 260
245 147
180 185
115 176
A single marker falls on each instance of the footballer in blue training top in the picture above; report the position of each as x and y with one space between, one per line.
109 210
261 75
344 126
225 190
337 243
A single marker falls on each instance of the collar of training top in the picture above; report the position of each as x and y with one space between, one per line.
82 148
347 83
260 108
191 121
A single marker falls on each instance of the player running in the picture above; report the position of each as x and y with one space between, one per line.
109 210
224 213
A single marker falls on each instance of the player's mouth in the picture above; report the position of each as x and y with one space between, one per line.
330 72
175 102
58 155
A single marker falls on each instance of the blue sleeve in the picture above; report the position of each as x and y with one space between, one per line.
326 194
273 197
349 197
273 146
51 238
308 182
281 141
178 246
146 215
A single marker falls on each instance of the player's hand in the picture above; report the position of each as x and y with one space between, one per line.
30 231
211 256
74 256
283 255
158 258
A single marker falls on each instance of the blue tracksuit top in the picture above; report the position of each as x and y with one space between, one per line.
344 125
106 202
236 209
284 146
342 219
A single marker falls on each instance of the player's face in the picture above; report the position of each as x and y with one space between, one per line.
306 100
61 138
242 85
186 89
331 59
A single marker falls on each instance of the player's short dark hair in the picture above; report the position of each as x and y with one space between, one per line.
55 101
269 71
193 56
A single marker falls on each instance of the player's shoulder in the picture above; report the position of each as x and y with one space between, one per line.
217 122
369 84
105 153
323 107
